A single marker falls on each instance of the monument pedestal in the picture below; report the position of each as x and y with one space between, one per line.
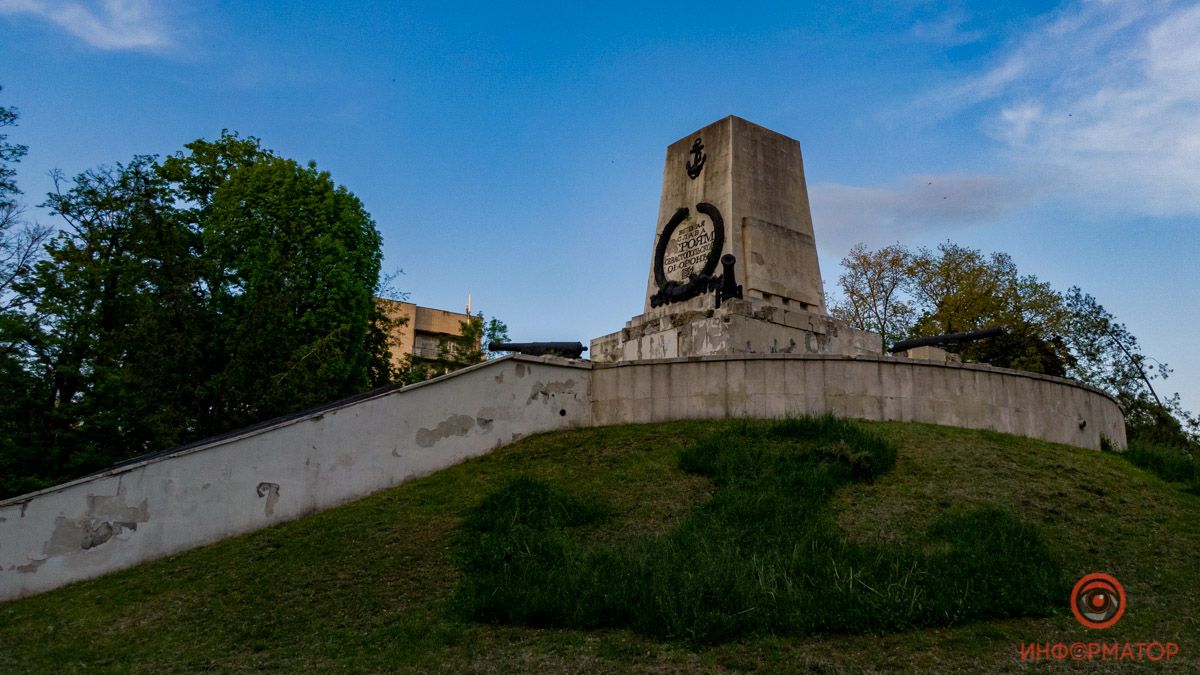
734 267
743 326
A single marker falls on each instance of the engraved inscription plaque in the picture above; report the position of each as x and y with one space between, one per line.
688 248
687 254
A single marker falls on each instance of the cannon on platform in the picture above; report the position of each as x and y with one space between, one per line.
946 339
570 350
727 285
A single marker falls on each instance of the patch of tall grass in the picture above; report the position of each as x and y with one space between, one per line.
763 555
1168 463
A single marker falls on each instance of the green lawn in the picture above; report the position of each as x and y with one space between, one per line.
367 587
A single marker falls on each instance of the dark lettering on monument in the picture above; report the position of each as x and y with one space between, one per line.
687 254
696 164
688 250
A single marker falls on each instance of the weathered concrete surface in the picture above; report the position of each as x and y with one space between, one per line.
747 326
733 188
930 353
202 494
755 178
870 388
264 476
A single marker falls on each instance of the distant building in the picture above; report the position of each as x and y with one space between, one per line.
416 330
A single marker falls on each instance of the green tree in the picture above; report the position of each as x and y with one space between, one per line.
217 288
456 351
954 288
117 347
413 369
872 291
1109 357
470 345
900 294
958 289
290 263
10 153
297 260
21 242
495 331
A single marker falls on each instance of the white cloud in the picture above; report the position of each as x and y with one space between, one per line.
949 29
844 215
1103 98
107 24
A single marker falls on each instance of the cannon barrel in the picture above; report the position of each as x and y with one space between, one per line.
728 287
571 350
947 339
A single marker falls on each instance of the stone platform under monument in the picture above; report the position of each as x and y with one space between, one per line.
734 267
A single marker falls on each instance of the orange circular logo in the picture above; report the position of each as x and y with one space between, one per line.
1098 600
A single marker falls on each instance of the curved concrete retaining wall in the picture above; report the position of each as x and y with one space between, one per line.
871 388
267 475
345 451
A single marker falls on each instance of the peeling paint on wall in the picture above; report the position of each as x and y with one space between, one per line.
70 536
815 343
104 523
106 517
547 390
455 425
98 533
114 508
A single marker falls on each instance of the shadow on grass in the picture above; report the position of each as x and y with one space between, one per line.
761 556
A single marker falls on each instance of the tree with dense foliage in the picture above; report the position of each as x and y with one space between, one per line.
183 298
295 263
900 293
959 289
116 319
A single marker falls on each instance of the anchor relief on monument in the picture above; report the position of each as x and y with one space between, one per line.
696 164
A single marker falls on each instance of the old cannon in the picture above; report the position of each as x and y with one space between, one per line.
946 339
570 350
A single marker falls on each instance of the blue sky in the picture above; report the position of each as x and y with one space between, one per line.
515 152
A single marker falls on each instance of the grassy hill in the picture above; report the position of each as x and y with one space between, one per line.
377 585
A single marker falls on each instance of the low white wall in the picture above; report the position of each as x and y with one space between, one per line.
863 387
286 470
203 494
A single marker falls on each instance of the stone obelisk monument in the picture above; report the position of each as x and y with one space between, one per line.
734 265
